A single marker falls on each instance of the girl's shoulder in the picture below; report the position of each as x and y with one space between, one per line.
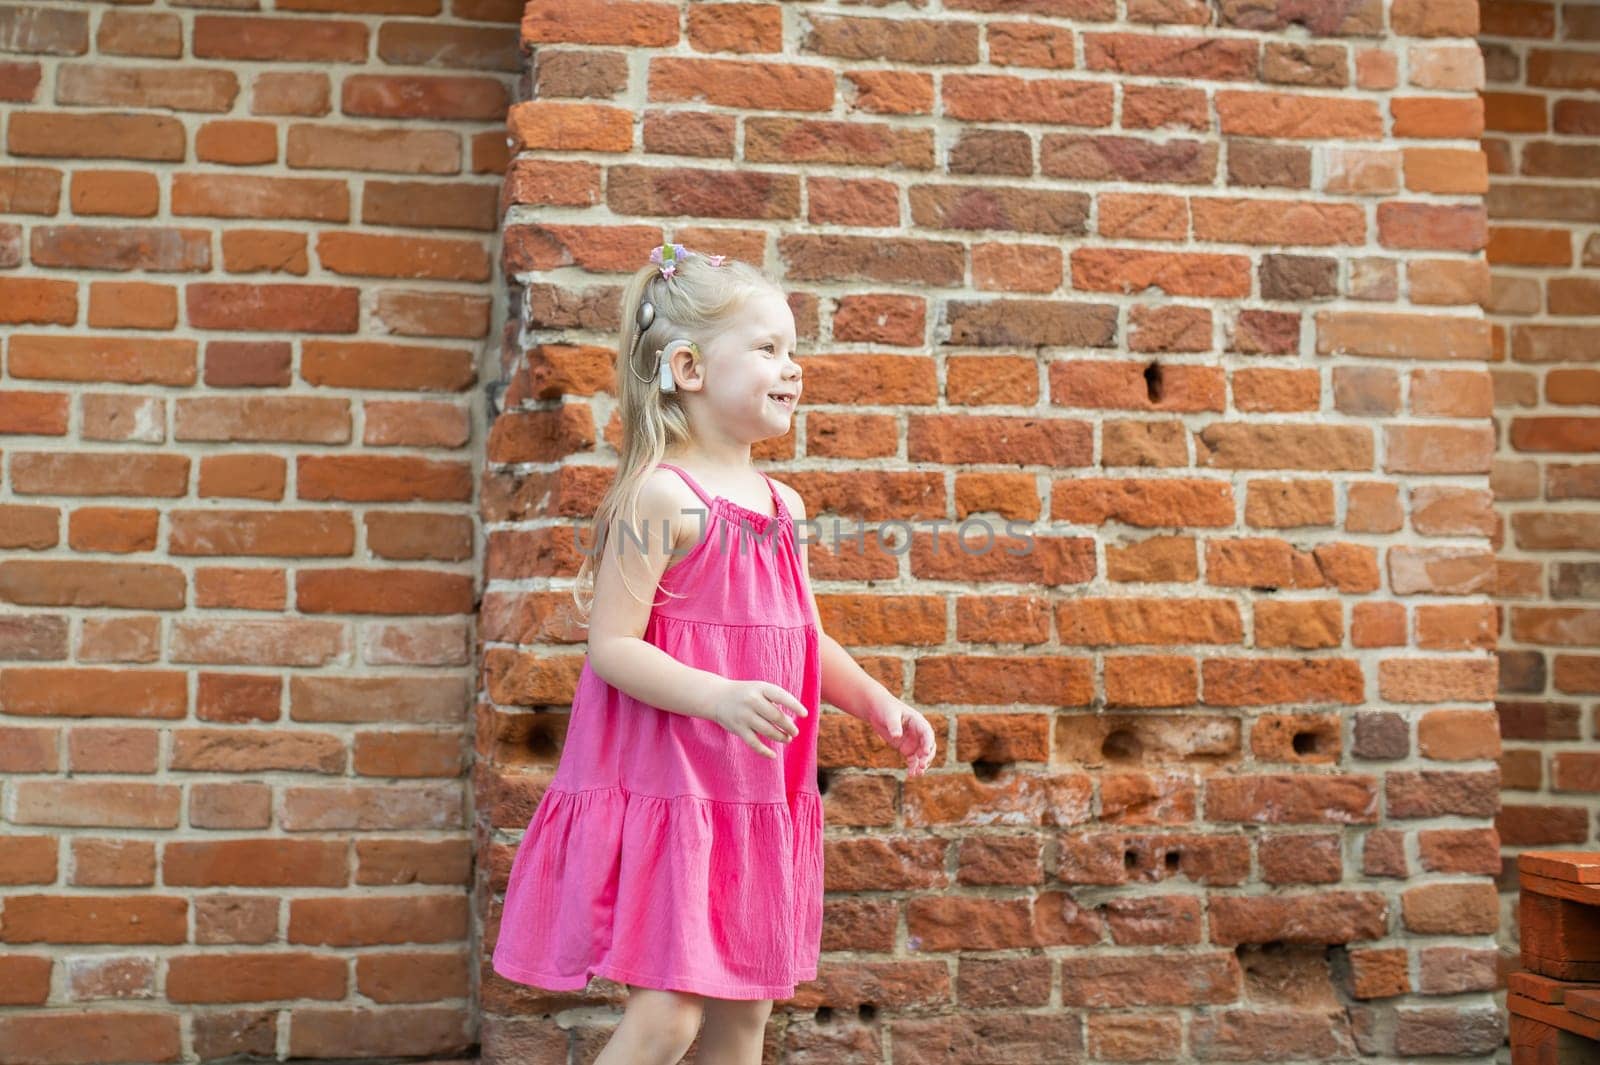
665 496
668 489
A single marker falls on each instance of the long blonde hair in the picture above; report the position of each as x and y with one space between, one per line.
697 302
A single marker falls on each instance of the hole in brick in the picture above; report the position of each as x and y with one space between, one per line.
1172 859
1122 745
1130 859
542 744
867 1011
987 770
824 1015
822 782
1152 381
1308 742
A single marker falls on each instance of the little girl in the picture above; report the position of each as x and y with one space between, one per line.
675 851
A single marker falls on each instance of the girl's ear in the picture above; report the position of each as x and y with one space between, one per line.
686 365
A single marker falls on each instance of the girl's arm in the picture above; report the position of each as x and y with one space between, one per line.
846 685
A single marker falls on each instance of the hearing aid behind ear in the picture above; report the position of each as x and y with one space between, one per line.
664 355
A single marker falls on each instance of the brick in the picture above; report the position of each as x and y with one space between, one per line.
357 148
434 258
427 44
247 251
29 190
1281 799
920 41
296 308
149 34
1417 336
382 478
236 143
157 248
1266 164
1451 909
241 196
279 39
1111 982
39 30
1130 270
597 22
1020 44
1261 221
1270 114
255 977
173 88
415 424
1002 98
132 193
432 314
1429 793
431 205
19 82
1414 226
308 94
132 305
1437 117
748 28
127 360
337 364
1298 63
1435 18
1449 1030
1326 917
1266 1034
423 96
95 136
754 85
37 301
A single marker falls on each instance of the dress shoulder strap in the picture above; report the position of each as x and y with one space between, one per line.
778 507
692 483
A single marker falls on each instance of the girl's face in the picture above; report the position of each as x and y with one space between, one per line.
751 378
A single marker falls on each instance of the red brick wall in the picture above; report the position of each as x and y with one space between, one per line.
1195 288
247 267
1542 106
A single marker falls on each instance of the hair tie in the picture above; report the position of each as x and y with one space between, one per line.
667 255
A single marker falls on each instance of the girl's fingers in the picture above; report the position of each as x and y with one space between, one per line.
780 695
783 727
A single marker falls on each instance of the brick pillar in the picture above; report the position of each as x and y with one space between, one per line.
247 270
1542 115
1193 290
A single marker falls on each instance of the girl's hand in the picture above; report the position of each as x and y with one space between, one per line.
748 707
906 730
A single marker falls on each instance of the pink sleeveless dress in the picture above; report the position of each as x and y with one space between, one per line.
665 853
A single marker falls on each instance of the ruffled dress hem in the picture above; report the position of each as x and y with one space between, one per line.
693 985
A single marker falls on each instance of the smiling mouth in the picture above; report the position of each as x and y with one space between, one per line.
786 402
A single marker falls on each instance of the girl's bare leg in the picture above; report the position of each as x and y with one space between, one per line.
733 1032
657 1028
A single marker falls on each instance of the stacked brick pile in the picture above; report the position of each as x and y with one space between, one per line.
1555 1000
